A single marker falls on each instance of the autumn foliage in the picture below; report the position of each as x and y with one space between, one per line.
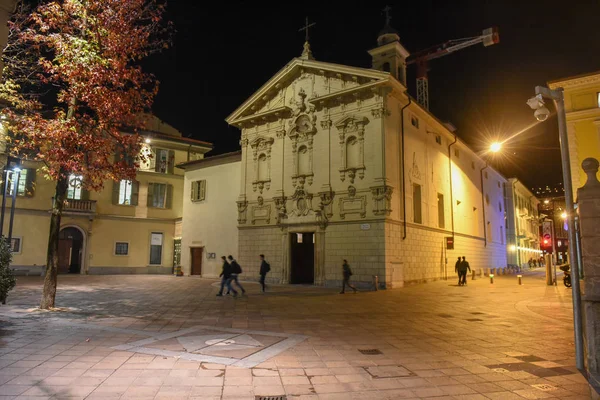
74 93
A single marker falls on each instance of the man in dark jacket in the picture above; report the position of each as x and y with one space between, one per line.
347 274
464 266
264 269
235 271
225 278
457 270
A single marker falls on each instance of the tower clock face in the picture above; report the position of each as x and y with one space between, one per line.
303 124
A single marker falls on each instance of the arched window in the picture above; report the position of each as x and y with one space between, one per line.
386 67
262 168
352 153
303 164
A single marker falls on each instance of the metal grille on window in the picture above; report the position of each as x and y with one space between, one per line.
122 248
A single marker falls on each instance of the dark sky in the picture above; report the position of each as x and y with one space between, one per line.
225 50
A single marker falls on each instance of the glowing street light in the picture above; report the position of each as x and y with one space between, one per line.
495 147
546 201
563 215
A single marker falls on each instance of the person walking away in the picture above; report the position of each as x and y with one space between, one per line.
464 266
347 274
264 269
457 270
235 271
225 277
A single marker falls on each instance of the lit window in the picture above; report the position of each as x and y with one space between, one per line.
21 186
121 248
598 97
74 189
157 195
125 192
299 237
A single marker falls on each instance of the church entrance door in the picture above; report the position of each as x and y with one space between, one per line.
302 258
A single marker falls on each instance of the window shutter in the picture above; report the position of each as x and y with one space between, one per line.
202 195
30 183
155 157
85 194
171 162
194 190
135 188
169 199
115 192
150 194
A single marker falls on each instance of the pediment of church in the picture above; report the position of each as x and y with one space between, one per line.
301 86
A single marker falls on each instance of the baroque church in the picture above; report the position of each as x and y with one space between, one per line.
339 162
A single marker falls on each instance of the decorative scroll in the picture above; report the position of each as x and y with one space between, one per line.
382 196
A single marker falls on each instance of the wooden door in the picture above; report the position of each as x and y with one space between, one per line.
196 260
64 255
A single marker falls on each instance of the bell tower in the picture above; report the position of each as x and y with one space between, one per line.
389 55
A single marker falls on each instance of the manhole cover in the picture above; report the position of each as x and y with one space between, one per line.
544 387
370 352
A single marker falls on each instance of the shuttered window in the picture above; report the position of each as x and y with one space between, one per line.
164 161
160 195
198 190
125 193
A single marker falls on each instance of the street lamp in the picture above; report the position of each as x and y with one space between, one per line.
495 147
541 114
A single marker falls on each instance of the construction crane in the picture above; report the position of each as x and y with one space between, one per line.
488 37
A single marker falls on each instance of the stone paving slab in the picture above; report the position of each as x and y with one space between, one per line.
162 337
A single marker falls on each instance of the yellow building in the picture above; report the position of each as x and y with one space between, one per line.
582 105
130 227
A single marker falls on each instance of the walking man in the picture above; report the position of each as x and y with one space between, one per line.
457 270
235 271
225 278
264 269
464 266
347 274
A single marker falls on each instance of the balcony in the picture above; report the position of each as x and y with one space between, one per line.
79 207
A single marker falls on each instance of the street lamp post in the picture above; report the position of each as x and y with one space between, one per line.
542 113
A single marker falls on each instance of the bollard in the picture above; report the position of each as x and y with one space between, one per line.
519 277
491 278
375 282
480 272
473 275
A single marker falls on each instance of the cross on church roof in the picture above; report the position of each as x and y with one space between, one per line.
388 17
305 29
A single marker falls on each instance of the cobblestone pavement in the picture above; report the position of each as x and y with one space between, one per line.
162 337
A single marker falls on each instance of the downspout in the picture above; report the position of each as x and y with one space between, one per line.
483 205
188 152
451 190
403 172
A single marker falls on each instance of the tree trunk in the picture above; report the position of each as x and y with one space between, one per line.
50 280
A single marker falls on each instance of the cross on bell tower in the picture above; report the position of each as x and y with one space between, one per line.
306 53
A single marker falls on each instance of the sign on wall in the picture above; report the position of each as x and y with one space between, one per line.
450 243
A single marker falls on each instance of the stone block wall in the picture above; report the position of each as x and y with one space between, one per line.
422 255
255 241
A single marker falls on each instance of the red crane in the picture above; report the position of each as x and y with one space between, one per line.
488 37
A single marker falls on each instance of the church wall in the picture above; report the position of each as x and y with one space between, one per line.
263 240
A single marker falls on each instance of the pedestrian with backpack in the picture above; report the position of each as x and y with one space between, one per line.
236 269
225 278
347 274
264 269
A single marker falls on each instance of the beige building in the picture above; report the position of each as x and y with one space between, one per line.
582 106
338 162
129 227
523 223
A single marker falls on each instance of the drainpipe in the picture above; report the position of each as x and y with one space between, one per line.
403 172
450 172
188 152
483 205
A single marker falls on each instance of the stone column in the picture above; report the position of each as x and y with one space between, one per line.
589 216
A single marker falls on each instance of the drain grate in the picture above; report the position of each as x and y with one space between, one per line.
270 397
370 352
544 387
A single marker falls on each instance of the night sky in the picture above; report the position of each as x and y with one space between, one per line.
225 50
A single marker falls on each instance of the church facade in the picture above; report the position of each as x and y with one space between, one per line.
339 162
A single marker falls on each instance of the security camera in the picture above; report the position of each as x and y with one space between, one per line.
541 114
537 103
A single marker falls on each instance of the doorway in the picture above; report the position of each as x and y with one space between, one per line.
70 250
196 253
302 258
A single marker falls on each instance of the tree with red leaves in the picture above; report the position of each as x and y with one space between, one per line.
75 94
